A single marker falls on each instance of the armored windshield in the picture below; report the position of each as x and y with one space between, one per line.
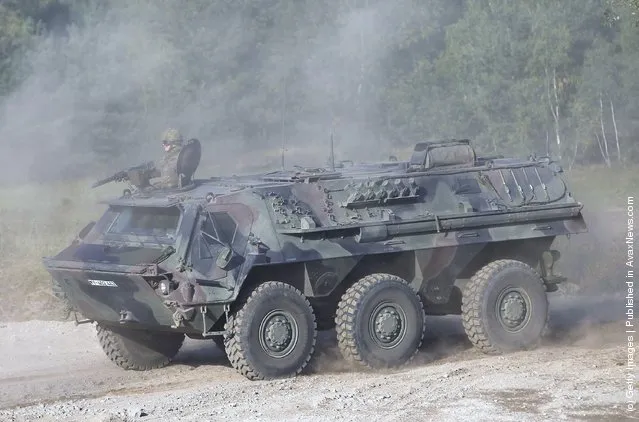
136 222
127 235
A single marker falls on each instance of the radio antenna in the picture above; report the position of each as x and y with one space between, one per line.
282 134
332 155
282 153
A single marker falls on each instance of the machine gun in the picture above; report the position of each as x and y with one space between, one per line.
138 175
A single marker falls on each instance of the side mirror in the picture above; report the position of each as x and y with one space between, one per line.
225 258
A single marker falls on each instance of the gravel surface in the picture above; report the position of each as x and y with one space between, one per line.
57 371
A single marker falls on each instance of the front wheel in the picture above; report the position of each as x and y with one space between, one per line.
380 322
272 335
139 350
505 307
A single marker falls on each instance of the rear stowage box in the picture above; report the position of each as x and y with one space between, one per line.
446 153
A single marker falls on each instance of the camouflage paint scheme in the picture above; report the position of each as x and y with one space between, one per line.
433 220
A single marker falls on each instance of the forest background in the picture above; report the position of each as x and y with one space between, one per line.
88 86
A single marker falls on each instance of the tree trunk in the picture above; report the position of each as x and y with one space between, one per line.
574 157
553 103
603 131
603 154
614 124
554 84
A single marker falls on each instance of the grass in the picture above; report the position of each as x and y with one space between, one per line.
40 219
36 221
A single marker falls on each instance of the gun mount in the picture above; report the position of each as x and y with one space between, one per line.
136 175
139 177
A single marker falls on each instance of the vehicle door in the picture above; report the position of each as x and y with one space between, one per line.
220 241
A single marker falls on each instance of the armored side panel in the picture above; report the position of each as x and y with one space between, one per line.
438 215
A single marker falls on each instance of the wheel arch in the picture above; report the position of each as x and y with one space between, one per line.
528 251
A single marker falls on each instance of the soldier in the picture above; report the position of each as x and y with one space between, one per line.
166 169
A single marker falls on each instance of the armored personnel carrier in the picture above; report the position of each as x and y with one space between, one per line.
260 263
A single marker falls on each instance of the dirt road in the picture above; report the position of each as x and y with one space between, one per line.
56 371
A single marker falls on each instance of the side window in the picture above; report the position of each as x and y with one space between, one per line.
217 230
226 227
203 248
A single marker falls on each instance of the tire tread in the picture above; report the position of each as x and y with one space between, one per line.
472 301
116 350
235 351
350 305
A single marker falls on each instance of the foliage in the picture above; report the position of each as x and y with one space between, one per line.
100 79
87 86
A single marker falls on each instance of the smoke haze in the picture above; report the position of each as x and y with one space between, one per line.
98 97
95 97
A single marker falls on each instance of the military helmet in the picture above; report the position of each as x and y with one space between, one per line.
172 137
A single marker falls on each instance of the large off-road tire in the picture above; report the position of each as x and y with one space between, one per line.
505 307
272 334
380 322
139 350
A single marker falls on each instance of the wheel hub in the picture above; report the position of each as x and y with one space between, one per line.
513 309
278 333
387 324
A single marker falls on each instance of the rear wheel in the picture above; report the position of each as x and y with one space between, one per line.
272 335
380 322
505 307
139 350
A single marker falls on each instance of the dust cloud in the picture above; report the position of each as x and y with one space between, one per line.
594 261
98 95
